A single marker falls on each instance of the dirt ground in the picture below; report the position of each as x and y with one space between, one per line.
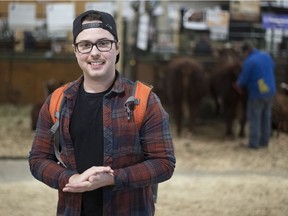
213 176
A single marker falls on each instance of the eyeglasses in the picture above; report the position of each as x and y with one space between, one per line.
85 47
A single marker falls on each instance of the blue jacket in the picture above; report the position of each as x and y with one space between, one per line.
257 75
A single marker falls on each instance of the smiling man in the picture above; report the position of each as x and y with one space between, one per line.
108 165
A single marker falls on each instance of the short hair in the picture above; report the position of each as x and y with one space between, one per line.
91 17
247 46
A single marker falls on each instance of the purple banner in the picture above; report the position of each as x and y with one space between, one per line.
275 21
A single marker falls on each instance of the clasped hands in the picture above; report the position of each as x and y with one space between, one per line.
92 179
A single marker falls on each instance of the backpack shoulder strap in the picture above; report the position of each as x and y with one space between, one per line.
55 102
55 106
137 102
141 94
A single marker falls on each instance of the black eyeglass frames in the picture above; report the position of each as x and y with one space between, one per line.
103 45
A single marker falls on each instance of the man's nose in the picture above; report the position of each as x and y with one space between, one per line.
94 50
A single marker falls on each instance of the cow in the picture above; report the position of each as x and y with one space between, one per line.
230 101
280 109
49 87
186 86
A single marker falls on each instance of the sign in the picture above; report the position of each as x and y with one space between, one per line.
108 7
22 16
195 19
60 17
275 21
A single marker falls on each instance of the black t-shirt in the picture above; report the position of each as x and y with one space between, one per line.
86 130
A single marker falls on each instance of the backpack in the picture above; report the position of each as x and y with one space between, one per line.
136 103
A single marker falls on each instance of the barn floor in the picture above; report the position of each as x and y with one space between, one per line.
213 176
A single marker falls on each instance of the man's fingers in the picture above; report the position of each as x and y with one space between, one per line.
77 187
96 170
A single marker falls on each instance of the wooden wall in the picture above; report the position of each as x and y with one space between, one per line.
22 81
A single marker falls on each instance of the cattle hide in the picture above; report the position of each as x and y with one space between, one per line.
186 85
230 101
49 87
280 112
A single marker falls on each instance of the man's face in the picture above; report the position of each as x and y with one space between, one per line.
96 65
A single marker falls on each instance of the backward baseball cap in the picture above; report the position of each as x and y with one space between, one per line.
108 23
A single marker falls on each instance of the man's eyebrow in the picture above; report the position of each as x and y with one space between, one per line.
105 38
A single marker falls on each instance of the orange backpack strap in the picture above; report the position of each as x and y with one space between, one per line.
137 102
142 92
56 102
141 95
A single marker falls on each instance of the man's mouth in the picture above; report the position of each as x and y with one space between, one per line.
96 63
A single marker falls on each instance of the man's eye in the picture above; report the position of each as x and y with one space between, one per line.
103 43
85 45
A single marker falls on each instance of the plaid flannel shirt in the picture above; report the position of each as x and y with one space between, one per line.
139 158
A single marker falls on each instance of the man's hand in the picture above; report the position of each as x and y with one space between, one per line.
237 88
93 178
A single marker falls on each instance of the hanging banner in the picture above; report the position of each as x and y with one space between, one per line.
218 23
275 21
143 32
243 10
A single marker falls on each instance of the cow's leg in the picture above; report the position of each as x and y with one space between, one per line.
229 126
34 115
176 105
178 117
243 118
230 114
192 115
216 99
242 128
242 123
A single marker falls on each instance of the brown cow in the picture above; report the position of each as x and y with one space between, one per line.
187 85
280 110
49 87
229 100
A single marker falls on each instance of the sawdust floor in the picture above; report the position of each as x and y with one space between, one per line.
213 176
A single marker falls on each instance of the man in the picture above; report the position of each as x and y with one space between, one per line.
257 77
110 164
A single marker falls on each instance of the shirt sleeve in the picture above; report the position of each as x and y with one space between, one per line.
244 75
42 160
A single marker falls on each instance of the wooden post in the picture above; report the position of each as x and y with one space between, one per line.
119 22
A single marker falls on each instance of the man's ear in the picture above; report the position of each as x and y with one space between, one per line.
118 47
74 48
